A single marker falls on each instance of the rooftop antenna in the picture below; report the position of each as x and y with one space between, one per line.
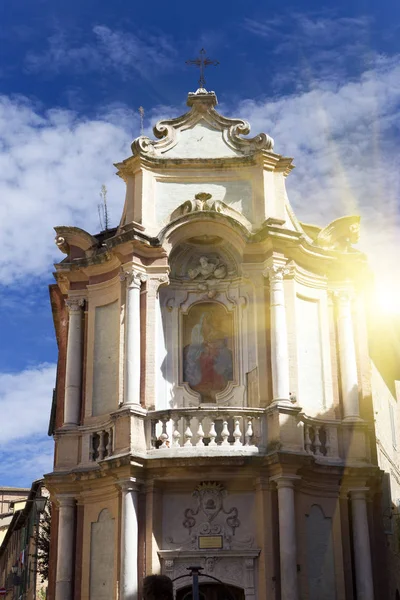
102 209
141 113
202 62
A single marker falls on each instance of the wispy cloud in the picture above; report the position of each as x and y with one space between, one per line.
321 47
122 52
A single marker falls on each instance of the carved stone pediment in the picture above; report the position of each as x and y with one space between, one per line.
172 133
204 203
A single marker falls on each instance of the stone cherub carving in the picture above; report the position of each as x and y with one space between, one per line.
208 270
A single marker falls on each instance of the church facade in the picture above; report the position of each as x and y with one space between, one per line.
213 402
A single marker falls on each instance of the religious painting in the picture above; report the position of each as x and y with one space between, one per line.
208 349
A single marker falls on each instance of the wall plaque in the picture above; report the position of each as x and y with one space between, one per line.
210 542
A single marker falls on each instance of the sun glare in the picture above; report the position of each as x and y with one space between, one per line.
387 296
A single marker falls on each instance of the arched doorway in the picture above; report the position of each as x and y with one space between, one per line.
211 591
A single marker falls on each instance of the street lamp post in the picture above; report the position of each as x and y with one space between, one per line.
195 573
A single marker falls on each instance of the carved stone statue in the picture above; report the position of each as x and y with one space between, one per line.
208 270
341 234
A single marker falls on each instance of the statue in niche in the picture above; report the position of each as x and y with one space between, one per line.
207 350
208 270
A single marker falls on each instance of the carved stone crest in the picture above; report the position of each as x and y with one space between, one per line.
210 497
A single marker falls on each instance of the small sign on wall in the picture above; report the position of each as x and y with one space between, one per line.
208 542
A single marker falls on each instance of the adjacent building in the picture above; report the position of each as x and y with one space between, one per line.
20 577
213 403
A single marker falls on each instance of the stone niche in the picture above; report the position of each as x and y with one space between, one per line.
213 529
204 327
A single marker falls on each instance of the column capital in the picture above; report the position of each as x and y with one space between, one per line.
133 277
285 481
342 297
75 303
64 500
130 484
359 493
277 272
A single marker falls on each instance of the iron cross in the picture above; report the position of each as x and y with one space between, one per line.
202 62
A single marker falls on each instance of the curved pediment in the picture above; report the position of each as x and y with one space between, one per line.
201 133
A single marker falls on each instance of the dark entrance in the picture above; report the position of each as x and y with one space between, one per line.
211 591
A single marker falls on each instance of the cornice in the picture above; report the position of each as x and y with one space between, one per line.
73 236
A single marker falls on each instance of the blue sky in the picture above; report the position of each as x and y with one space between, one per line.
324 81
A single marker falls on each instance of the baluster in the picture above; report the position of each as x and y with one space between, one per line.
91 449
176 435
188 432
225 433
328 445
307 439
249 431
164 434
110 442
102 447
153 433
237 434
212 434
317 442
200 433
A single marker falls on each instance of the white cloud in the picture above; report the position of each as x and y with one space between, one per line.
123 52
344 140
25 401
51 169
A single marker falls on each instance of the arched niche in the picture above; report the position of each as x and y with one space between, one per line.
102 543
320 556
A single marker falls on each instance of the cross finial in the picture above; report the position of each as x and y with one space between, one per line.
202 62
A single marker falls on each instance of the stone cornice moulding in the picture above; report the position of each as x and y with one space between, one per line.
201 110
73 236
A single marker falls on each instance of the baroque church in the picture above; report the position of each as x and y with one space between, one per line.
213 404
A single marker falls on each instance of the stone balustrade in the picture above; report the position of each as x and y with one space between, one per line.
208 430
101 444
321 437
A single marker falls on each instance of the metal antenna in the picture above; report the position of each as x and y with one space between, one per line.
141 113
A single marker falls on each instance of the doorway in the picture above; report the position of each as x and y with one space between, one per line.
211 591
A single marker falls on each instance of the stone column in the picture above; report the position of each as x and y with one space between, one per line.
65 548
133 280
347 358
362 550
279 341
287 536
73 376
129 540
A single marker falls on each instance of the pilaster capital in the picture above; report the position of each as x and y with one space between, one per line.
156 281
133 277
130 484
75 303
285 481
